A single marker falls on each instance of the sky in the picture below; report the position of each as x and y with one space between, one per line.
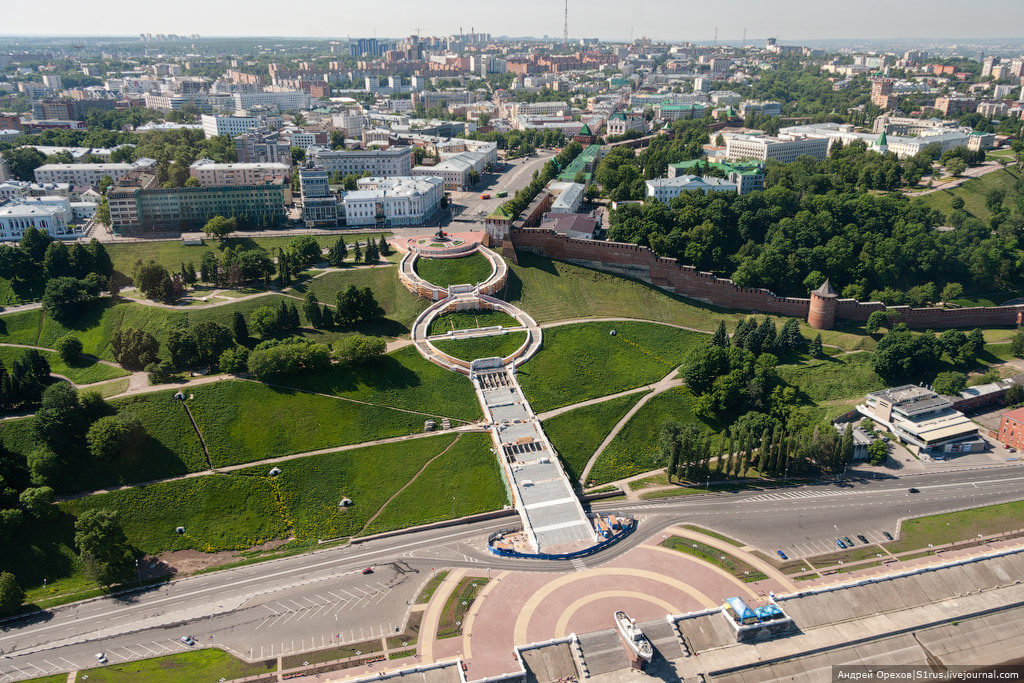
674 20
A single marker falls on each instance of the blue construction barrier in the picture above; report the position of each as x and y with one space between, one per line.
626 530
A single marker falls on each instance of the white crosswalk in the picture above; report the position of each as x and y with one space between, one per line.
579 565
789 495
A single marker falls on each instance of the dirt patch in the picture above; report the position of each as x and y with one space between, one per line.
185 562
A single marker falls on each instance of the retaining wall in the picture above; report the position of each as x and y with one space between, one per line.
641 263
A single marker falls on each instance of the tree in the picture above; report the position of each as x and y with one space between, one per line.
311 309
358 348
110 434
34 242
669 446
949 383
220 227
38 501
1017 344
957 203
60 419
103 546
134 348
239 328
212 339
327 318
952 290
875 322
878 451
11 595
369 309
721 337
372 253
287 357
337 253
383 247
956 166
69 349
161 372
24 161
306 249
816 349
263 322
901 355
346 311
234 360
63 297
56 262
357 253
153 280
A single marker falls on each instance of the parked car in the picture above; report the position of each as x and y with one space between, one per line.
781 554
368 570
848 541
862 538
839 542
101 657
1012 450
188 640
912 490
887 535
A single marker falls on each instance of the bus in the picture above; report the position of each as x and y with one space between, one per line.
503 193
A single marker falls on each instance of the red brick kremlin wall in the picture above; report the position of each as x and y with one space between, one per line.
641 263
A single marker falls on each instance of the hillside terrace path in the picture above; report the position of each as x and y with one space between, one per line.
669 381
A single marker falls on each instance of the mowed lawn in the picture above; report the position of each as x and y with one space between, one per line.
635 449
465 320
206 664
957 526
85 371
501 346
248 421
974 193
219 512
172 253
464 480
400 305
400 379
576 434
445 272
582 361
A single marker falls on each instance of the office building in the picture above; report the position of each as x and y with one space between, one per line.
765 108
748 177
137 204
739 147
319 206
456 170
394 161
210 173
287 100
621 123
16 218
667 189
952 105
389 202
258 147
214 125
87 174
923 420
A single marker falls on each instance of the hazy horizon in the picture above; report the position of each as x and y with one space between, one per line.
788 20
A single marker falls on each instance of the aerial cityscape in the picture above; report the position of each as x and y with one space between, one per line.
599 343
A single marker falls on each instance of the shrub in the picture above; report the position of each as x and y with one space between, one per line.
68 348
285 358
358 348
234 360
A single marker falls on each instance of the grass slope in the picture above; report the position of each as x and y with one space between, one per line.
833 378
576 434
501 346
974 192
445 272
635 449
86 371
247 421
312 487
401 379
464 481
219 512
553 290
582 361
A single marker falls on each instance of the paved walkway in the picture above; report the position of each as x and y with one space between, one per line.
594 401
428 627
667 382
737 551
970 173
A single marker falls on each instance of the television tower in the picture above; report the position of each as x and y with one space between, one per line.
565 26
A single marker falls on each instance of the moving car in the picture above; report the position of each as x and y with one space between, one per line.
368 570
912 490
862 538
101 657
188 640
781 554
485 196
839 542
887 535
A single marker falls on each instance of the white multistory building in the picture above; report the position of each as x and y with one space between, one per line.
287 100
393 201
15 219
394 161
214 125
762 147
210 173
87 174
667 189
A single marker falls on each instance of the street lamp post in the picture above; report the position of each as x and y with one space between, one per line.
138 572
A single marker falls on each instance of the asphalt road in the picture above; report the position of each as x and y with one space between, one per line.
308 601
469 206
